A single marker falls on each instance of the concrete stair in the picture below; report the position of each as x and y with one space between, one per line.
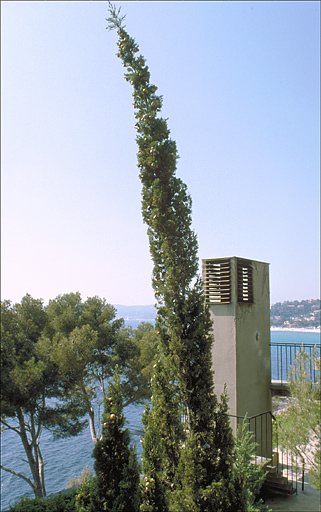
275 481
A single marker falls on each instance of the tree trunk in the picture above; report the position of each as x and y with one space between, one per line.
37 453
41 471
38 486
91 414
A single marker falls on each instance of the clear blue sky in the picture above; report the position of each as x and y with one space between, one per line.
241 86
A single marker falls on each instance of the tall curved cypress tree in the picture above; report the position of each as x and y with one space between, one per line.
187 462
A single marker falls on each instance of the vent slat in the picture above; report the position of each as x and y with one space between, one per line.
244 282
217 281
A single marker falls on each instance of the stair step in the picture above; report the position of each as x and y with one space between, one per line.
280 487
270 469
277 478
277 482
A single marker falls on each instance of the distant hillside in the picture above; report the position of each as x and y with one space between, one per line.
136 312
304 313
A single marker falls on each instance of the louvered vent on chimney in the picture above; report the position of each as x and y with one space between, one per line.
244 281
217 281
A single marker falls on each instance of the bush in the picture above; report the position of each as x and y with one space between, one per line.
64 502
116 463
87 499
299 424
250 475
83 478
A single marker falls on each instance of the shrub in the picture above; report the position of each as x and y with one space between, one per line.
83 478
116 463
116 485
64 502
251 476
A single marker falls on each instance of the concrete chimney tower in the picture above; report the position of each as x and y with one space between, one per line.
237 292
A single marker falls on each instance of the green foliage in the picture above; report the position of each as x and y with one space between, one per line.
115 460
23 374
161 443
54 364
86 341
299 423
152 486
82 337
26 382
83 478
315 471
183 380
64 502
145 338
223 496
249 474
86 497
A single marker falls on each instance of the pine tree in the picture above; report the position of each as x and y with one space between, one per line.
117 484
186 458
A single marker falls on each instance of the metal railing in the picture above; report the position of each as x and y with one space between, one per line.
261 427
265 431
283 356
286 462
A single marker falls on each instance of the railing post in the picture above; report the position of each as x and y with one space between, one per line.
266 436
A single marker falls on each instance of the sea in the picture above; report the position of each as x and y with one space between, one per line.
66 458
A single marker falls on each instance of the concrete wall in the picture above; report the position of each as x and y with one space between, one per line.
224 361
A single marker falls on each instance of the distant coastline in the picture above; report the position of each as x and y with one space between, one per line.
297 329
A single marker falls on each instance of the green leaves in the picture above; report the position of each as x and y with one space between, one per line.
85 342
55 360
299 425
64 313
72 353
250 475
23 373
27 377
114 20
115 461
